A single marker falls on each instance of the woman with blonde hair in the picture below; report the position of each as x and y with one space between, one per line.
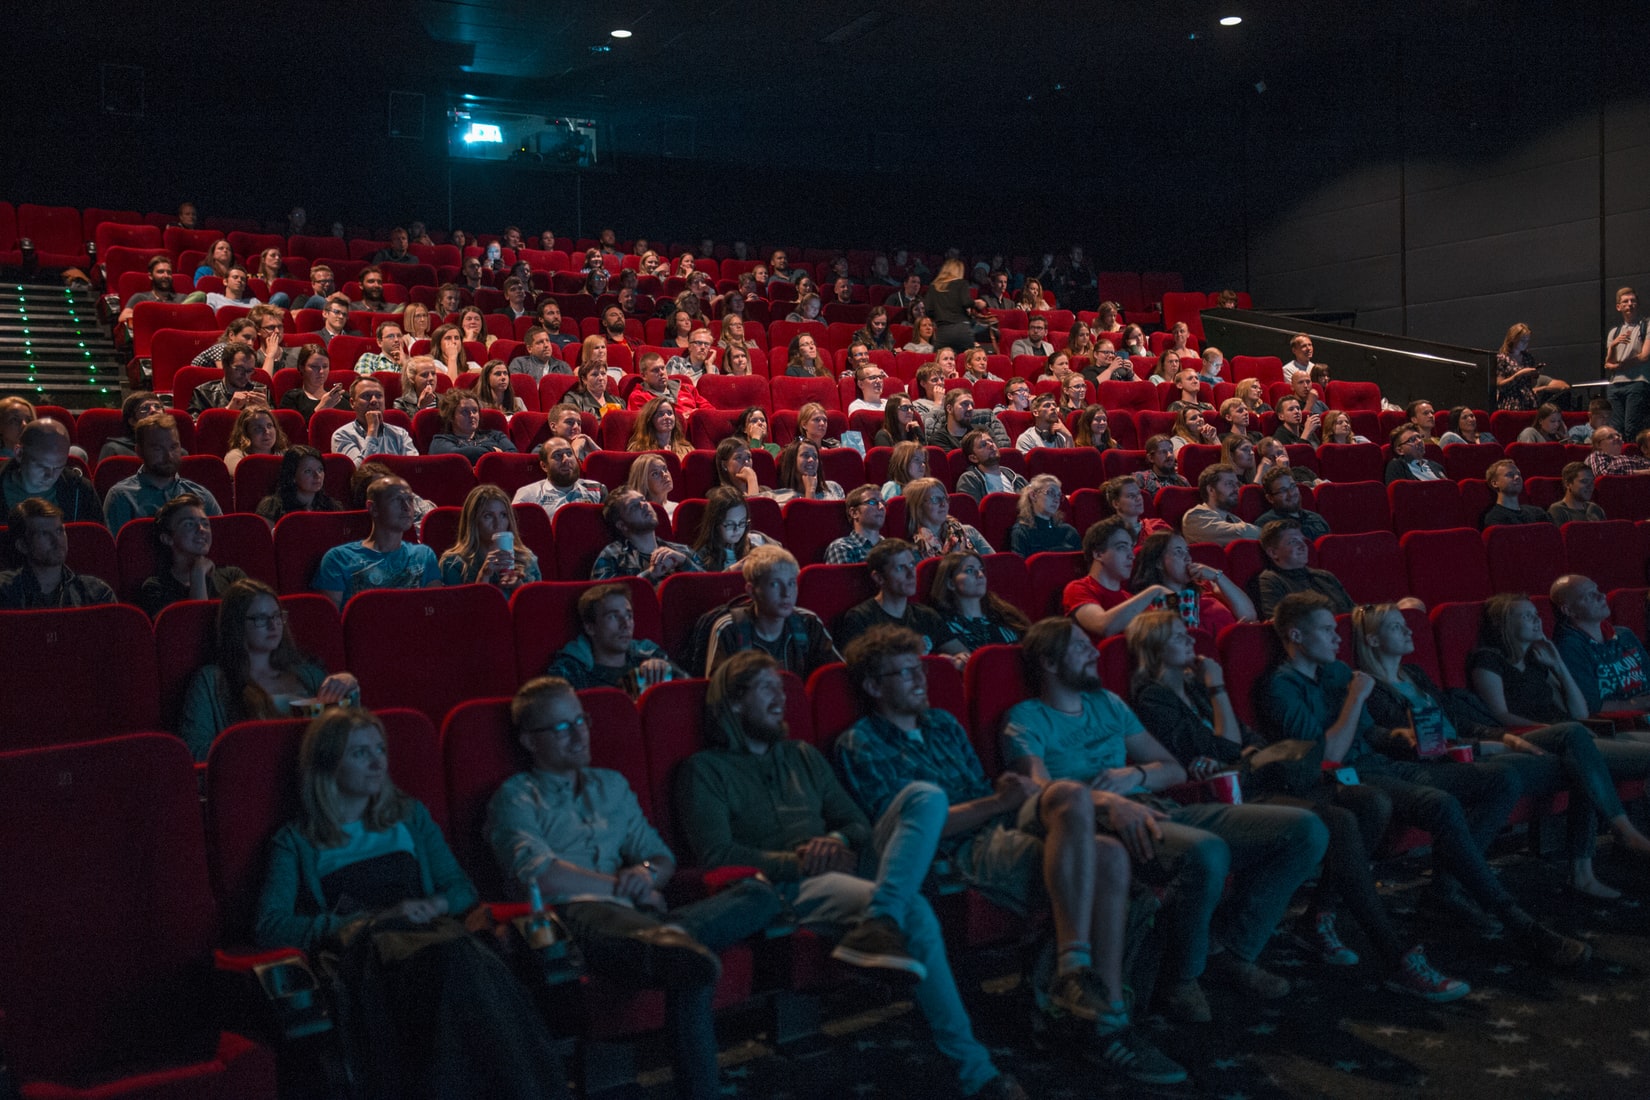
658 429
479 555
908 463
256 432
931 527
976 615
948 302
1337 428
1253 395
1041 524
733 334
363 857
415 322
814 426
419 389
650 476
1190 427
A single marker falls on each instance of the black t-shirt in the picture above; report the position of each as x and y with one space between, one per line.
163 588
862 617
1530 691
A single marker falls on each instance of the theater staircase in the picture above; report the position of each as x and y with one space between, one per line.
52 349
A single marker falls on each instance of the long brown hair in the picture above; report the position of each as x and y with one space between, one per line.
240 694
319 756
944 600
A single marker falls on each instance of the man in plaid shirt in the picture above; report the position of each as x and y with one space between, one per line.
1607 456
866 512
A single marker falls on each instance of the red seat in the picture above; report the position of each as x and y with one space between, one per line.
507 470
389 635
835 701
1353 507
255 478
993 681
1455 634
100 663
1047 575
303 538
829 590
1354 396
1132 396
1193 458
149 318
1612 552
545 619
1623 497
92 552
812 525
736 392
1526 557
684 597
1471 461
1539 459
1076 467
1627 608
91 951
56 232
172 351
1267 368
238 538
444 479
1174 501
1244 561
1247 651
793 393
1446 565
1342 462
1370 565
1426 506
580 536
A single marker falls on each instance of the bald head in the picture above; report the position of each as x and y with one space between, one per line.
42 454
44 433
1579 598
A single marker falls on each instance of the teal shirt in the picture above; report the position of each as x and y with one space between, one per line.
205 712
1072 746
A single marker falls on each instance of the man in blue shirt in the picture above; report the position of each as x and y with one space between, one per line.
157 481
384 559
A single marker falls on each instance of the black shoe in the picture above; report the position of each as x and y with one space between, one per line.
1554 949
877 943
672 959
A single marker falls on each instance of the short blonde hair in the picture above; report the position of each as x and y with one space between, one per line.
766 560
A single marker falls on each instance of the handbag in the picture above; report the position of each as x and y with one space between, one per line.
1292 766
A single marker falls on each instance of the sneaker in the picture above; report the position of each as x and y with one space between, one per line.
1554 949
1001 1087
877 943
1072 995
1246 977
1130 1053
1417 977
1451 901
1324 942
1186 1004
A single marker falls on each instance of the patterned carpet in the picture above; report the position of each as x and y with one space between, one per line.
1521 1033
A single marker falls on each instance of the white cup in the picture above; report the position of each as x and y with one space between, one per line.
505 541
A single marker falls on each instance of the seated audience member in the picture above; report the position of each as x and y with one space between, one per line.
1286 548
1284 496
1311 404
866 512
35 527
1237 417
1205 596
160 288
1576 506
734 469
1461 426
138 405
752 428
1608 458
1608 662
870 380
359 850
487 547
1182 702
1100 601
930 525
369 433
650 476
860 886
1160 467
575 836
908 463
901 423
312 392
1251 392
659 428
977 366
392 354
1423 419
1093 429
240 331
1300 360
367 473
954 421
567 422
182 535
1047 430
540 358
1548 427
1188 392
771 622
977 616
461 431
419 374
725 535
236 290
700 359
299 485
1294 426
1546 761
931 383
1035 341
41 468
236 389
636 549
258 671
1215 519
1598 415
589 394
798 476
384 559
1074 394
607 652
1337 428
656 384
1124 498
1508 485
1191 427
1238 452
892 564
1074 729
157 480
561 484
999 835
1213 362
802 358
813 425
494 390
1310 695
396 252
985 473
1041 524
1409 458
256 432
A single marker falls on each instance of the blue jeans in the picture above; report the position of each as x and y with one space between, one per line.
1269 849
901 852
718 922
1629 406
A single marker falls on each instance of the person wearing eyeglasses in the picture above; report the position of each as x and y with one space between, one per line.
236 389
866 511
335 319
700 359
578 835
260 671
1409 458
607 652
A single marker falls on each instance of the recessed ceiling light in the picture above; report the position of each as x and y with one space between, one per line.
1231 20
621 34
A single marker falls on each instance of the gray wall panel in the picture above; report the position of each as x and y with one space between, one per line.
1528 259
1488 205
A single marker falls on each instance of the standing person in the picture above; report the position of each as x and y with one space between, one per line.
952 308
1181 700
447 1020
1626 351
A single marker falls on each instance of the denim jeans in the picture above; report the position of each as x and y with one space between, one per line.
1629 407
718 922
1487 793
901 852
1455 851
1270 850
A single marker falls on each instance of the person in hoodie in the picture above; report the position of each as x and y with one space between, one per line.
608 653
756 798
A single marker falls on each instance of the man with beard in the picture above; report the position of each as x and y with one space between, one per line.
636 549
372 294
160 288
561 484
157 480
